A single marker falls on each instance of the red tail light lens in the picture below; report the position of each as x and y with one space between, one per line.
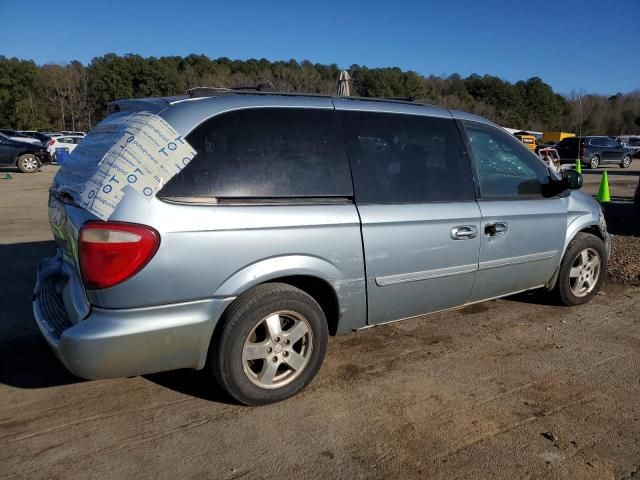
50 142
582 150
112 252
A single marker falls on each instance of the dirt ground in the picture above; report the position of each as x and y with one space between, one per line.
513 388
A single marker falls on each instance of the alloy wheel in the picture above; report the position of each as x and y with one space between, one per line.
30 164
585 272
277 350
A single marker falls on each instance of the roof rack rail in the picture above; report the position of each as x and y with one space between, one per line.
199 92
410 98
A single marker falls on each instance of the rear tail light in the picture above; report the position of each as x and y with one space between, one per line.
112 252
582 150
50 142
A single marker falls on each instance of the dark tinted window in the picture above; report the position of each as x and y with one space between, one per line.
267 152
506 168
568 143
406 158
598 142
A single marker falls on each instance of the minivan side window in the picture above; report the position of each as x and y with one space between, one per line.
401 158
506 168
266 153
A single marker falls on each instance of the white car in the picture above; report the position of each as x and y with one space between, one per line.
75 134
65 141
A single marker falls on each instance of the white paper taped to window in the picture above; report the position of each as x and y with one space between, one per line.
137 152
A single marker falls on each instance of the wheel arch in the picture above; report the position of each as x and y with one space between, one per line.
589 226
28 152
322 280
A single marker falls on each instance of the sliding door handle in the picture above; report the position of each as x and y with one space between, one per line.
495 229
464 232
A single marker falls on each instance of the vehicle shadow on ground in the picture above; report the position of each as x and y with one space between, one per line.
25 359
536 297
195 383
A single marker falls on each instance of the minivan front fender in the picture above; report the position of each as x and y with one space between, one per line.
350 292
584 215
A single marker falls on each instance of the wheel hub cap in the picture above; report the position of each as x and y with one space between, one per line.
277 350
585 272
30 163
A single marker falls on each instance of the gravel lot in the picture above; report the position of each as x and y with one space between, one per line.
513 388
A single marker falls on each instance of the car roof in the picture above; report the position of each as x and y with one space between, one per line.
187 111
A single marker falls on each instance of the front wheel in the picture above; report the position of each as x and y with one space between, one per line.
270 344
594 162
582 269
626 161
28 163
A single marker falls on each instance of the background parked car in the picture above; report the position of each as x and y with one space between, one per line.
71 132
28 157
52 134
633 142
68 142
630 140
594 151
37 135
20 137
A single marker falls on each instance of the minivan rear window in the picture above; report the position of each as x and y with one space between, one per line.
265 153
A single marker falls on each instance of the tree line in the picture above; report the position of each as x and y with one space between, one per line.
74 96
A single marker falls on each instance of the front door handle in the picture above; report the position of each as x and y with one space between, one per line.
495 229
464 232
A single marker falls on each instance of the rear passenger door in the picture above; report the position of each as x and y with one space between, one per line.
522 232
420 221
613 150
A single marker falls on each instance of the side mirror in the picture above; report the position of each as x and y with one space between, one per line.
571 180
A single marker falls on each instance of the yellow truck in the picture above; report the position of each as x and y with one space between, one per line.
529 140
555 137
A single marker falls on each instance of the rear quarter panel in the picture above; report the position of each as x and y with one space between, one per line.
221 251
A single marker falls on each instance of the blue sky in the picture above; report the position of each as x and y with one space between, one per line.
573 45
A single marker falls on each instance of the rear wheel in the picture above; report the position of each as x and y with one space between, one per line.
594 162
270 345
626 161
28 163
582 269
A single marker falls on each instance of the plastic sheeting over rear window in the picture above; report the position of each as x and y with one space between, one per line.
128 153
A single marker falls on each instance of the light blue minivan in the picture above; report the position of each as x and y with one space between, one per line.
301 217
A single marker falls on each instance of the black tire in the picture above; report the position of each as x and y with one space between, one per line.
594 162
28 163
581 242
242 318
626 161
